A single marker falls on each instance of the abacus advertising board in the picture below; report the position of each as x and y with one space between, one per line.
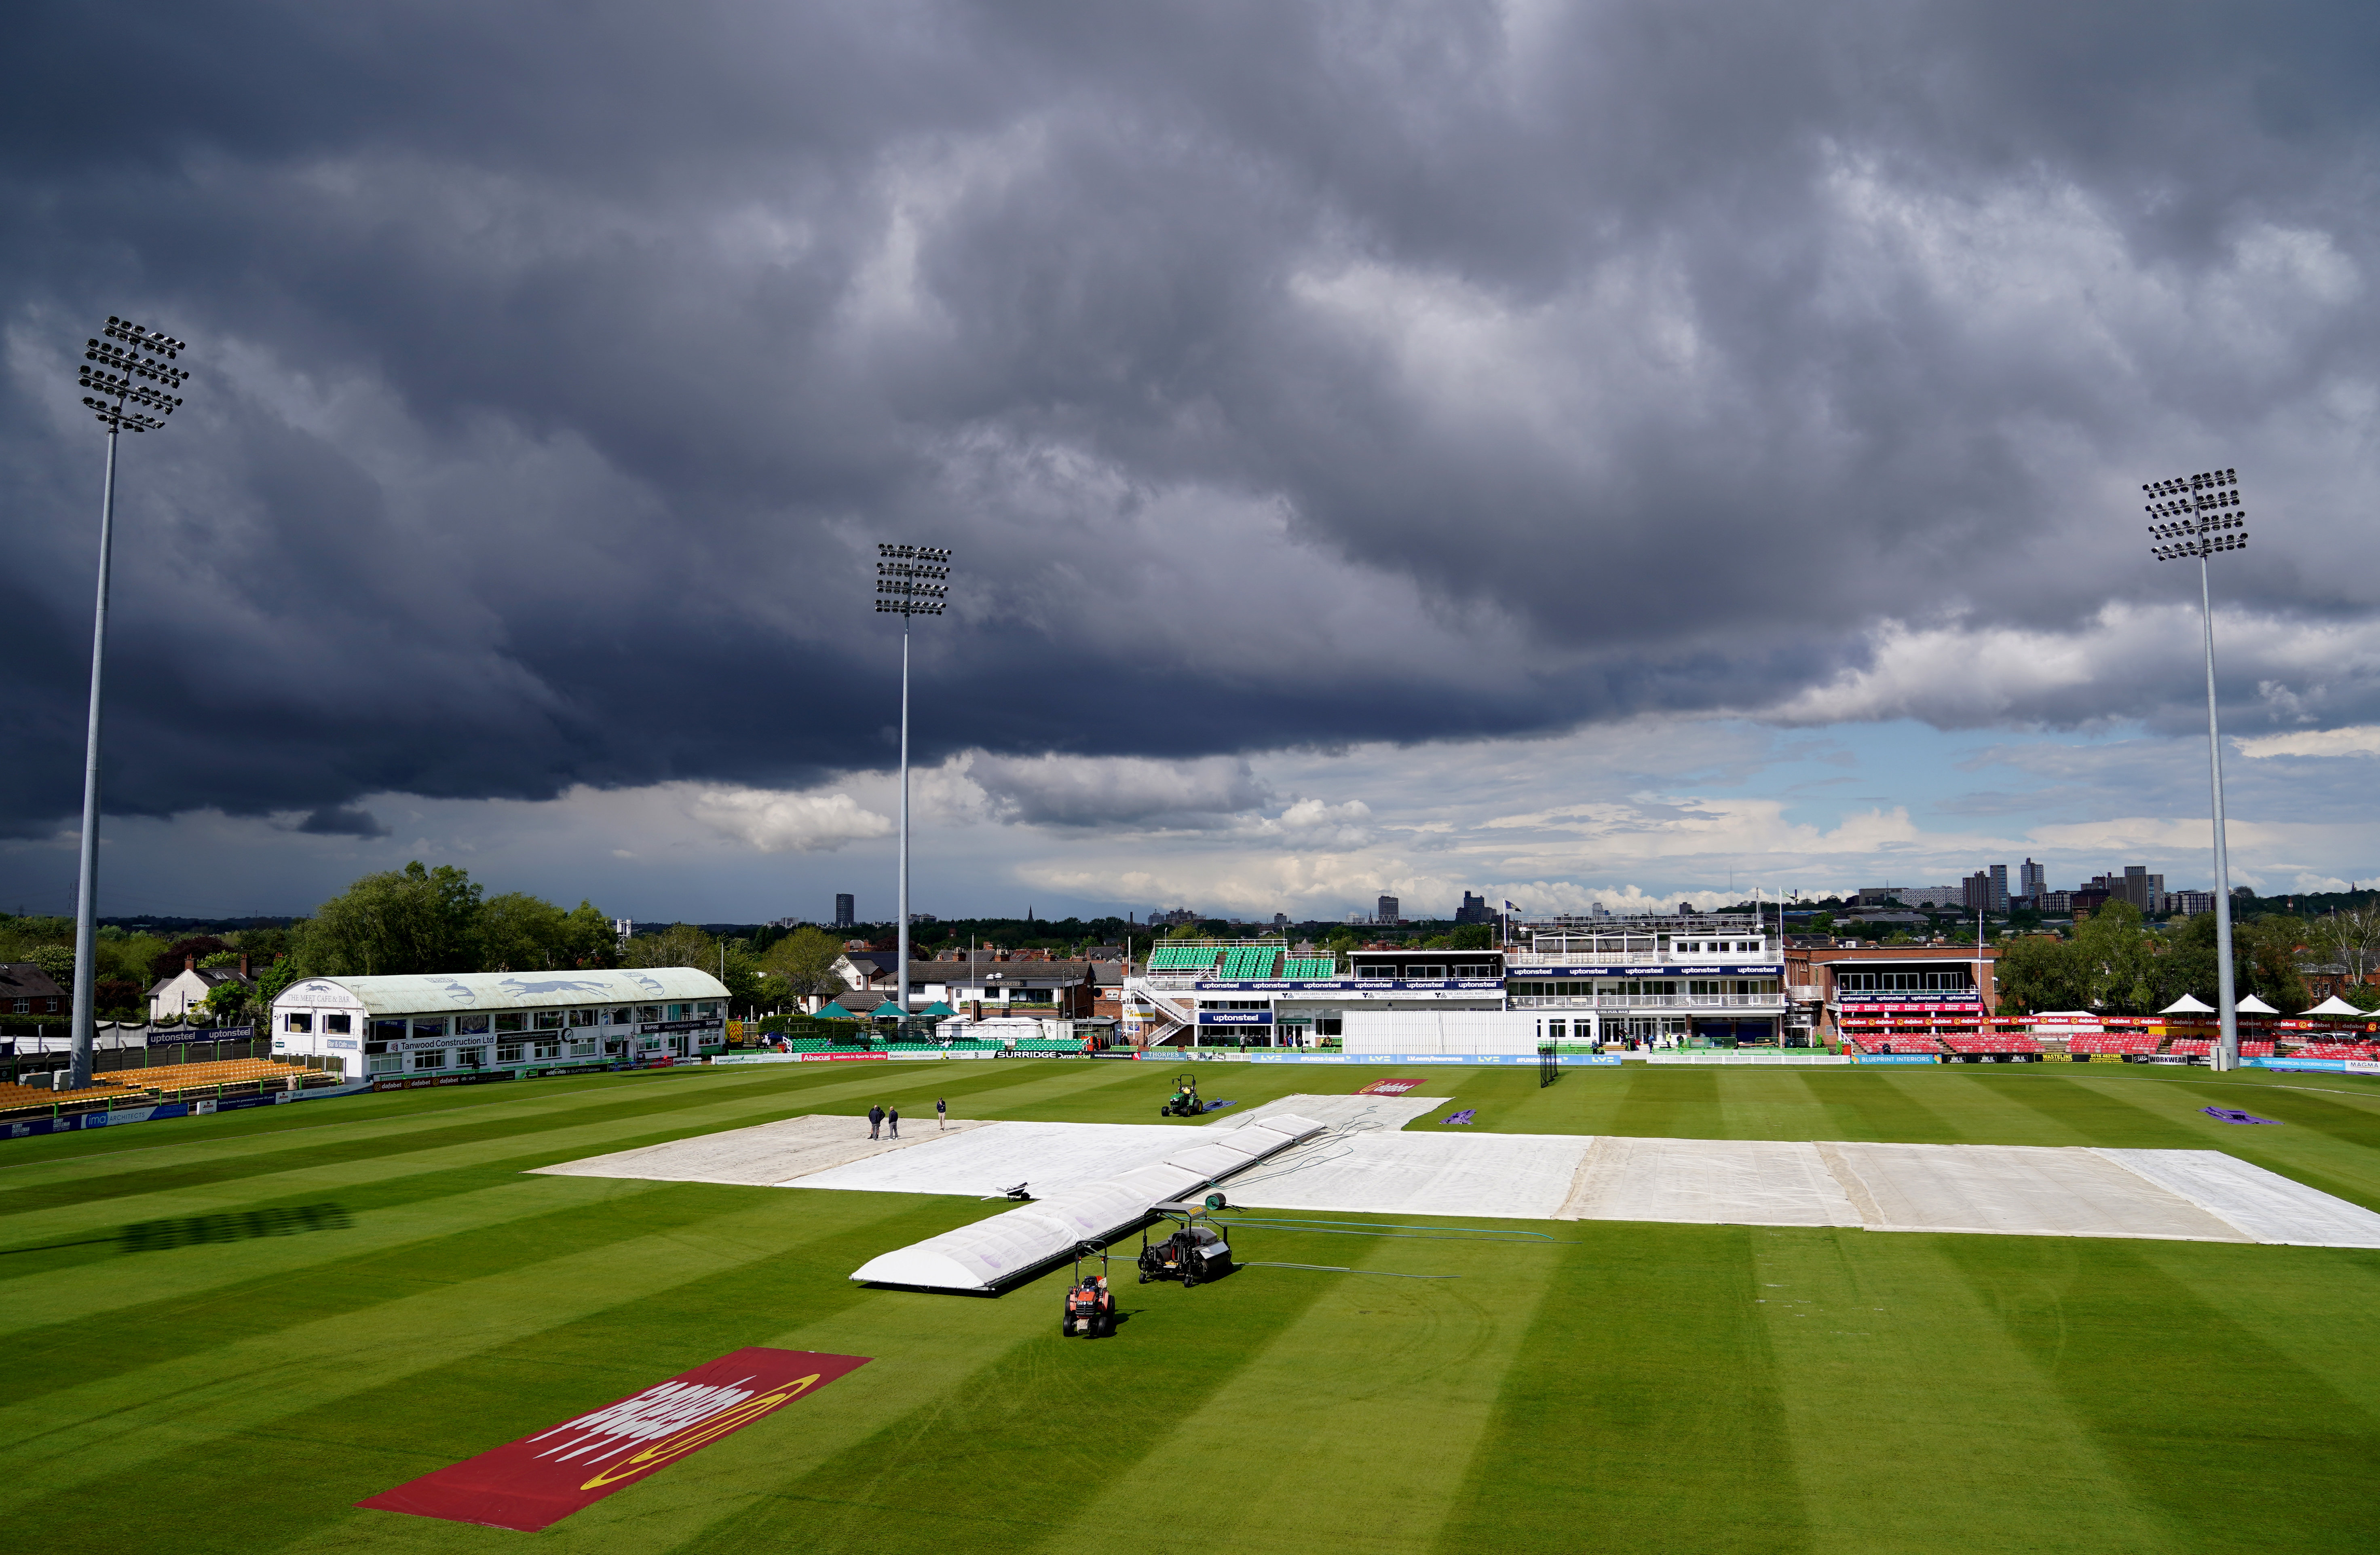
538 1480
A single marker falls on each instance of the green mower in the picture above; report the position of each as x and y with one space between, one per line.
1185 1102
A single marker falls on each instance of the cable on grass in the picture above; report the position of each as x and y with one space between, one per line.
1395 1233
1335 1269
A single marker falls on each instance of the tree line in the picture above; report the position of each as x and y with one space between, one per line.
423 919
2116 963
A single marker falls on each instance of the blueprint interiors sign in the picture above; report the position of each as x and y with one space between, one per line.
538 1480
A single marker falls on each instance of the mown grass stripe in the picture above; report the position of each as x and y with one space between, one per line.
332 1170
1044 1420
473 1246
1645 1413
1891 1376
1668 1103
250 1381
2242 1448
1380 1390
84 1158
458 1405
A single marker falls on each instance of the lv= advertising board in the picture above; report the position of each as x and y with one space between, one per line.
538 1480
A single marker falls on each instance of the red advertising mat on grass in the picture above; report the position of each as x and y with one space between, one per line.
1390 1088
538 1480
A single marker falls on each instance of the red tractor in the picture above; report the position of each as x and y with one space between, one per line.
1090 1305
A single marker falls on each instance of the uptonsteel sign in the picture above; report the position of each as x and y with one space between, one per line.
538 1480
1353 985
1235 1017
1678 969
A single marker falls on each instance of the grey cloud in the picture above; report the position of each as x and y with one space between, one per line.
557 365
1058 791
343 821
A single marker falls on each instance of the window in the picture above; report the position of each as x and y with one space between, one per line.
677 1011
1557 1031
336 1023
583 1049
548 1020
584 1017
623 1017
508 1053
515 1022
471 1058
543 1051
24 1006
470 1025
388 1031
648 1012
430 1058
1425 972
298 1020
422 1028
388 1063
708 1008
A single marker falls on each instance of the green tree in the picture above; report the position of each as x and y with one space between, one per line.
681 944
2118 959
2272 946
518 932
2036 972
408 920
741 977
56 960
2189 965
229 1000
805 959
588 938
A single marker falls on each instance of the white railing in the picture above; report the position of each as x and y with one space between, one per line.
1649 1001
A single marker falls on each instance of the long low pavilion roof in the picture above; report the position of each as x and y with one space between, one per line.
434 992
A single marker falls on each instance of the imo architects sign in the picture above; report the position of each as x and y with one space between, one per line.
538 1480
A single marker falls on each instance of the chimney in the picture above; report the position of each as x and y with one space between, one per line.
190 964
243 965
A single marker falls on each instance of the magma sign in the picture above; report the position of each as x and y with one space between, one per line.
538 1480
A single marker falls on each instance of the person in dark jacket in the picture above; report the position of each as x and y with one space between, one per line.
875 1120
941 1114
892 1117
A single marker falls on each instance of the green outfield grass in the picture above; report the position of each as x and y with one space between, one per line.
1623 1387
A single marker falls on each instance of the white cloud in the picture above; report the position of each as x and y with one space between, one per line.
774 821
2363 739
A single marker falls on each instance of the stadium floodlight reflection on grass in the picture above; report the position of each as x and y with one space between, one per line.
2198 516
910 580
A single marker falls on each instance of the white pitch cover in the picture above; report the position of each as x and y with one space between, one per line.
981 1257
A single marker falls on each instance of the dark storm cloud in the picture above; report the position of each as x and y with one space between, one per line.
344 821
557 365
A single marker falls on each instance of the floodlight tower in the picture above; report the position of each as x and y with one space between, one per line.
126 374
2200 515
910 580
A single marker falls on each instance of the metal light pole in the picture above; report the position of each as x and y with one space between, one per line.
2200 515
910 580
126 374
